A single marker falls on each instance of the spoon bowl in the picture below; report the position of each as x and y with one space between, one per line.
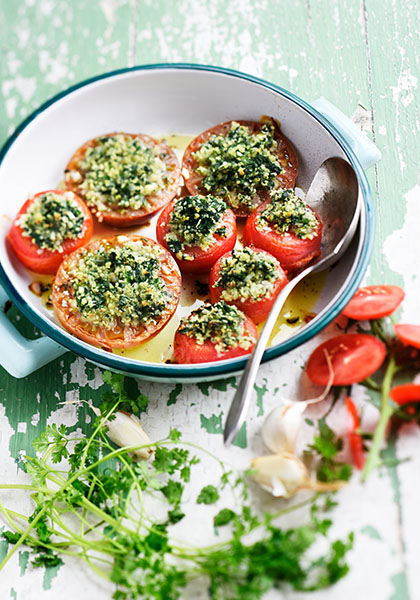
334 195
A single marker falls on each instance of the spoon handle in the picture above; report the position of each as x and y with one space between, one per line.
240 403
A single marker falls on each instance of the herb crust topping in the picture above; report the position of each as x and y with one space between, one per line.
247 275
237 165
51 219
287 212
220 323
119 283
194 221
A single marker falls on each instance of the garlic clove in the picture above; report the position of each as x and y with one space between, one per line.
126 430
281 427
280 474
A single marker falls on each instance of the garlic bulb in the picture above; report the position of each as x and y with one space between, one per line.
283 475
126 430
280 474
281 427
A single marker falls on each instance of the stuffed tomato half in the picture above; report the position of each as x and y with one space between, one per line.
117 292
286 227
214 332
49 226
197 230
240 161
124 178
249 278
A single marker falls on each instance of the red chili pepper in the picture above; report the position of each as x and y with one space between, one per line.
355 439
405 394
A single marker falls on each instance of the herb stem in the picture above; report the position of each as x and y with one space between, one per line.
386 411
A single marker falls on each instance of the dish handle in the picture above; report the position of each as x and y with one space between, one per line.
18 355
365 150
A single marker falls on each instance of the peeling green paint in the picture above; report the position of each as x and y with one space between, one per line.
240 439
309 422
399 583
221 385
371 532
261 390
173 396
4 548
13 593
23 561
212 424
49 574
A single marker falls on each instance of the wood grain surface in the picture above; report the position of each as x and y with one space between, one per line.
363 56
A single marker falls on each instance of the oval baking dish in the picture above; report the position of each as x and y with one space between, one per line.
159 100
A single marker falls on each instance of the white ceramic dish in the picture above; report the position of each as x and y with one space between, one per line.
159 100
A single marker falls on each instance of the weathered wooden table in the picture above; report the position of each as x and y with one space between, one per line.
353 52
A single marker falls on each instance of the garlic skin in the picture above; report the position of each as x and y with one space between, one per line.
282 475
281 427
126 430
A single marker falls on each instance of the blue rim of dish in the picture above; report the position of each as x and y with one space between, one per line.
226 367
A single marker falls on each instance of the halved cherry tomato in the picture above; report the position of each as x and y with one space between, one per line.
126 217
202 260
405 393
117 335
256 308
284 150
408 334
42 260
354 356
188 350
374 302
292 252
355 439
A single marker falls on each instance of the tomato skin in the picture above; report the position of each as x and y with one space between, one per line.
203 259
405 393
120 335
257 310
188 351
408 334
354 356
292 252
355 439
285 152
128 218
374 302
47 261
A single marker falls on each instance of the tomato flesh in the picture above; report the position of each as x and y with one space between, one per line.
188 351
257 309
130 217
202 260
119 335
42 260
354 356
292 252
374 302
355 439
285 152
408 334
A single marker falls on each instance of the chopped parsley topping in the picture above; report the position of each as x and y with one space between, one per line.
247 275
237 165
119 284
195 220
51 219
119 172
287 212
220 323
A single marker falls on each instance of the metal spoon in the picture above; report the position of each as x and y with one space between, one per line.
333 194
